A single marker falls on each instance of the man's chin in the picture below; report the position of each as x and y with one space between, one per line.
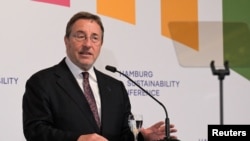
86 65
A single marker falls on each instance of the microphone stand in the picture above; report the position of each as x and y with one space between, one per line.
167 123
221 75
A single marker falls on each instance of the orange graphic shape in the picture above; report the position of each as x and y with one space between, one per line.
122 10
179 21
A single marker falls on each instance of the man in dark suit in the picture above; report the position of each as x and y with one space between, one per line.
54 104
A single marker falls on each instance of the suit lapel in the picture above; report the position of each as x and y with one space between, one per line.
105 94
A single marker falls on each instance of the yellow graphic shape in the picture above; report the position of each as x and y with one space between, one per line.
179 21
123 10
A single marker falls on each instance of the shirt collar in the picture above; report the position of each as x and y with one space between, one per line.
77 72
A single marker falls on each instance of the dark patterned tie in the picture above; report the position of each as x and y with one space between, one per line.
90 97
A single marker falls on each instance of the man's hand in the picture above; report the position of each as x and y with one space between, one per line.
157 132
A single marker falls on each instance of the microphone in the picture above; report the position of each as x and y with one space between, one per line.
167 124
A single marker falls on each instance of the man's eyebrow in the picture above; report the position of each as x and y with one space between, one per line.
80 31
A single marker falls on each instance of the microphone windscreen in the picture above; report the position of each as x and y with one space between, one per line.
110 68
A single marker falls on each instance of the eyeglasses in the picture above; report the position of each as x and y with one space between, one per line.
80 37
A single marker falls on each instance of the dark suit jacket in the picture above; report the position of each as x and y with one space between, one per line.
55 109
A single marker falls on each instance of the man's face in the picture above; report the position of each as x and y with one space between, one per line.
84 43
